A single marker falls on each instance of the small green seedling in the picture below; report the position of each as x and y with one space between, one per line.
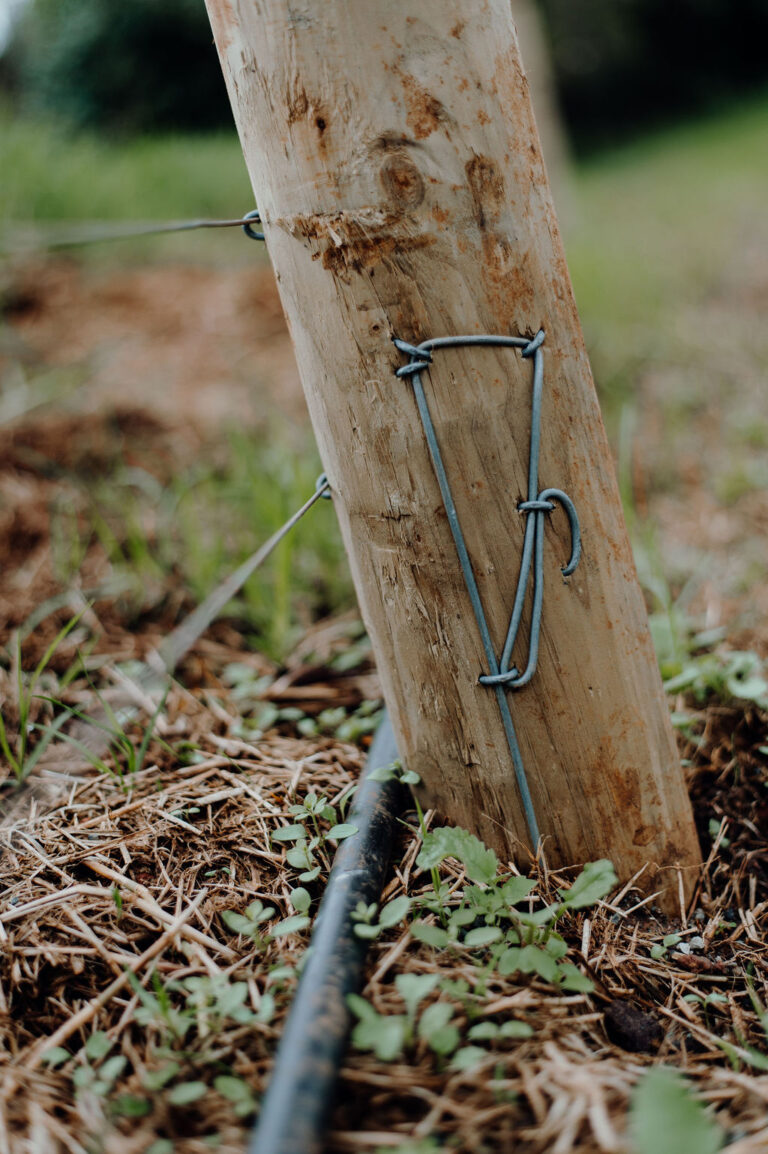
250 923
369 926
21 758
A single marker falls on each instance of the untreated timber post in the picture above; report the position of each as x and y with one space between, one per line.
396 164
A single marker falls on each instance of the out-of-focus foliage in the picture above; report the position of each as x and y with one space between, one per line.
623 64
618 64
121 64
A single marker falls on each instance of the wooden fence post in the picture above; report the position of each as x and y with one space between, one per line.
396 164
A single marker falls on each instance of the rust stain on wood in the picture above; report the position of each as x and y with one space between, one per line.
425 112
366 251
507 279
297 104
345 242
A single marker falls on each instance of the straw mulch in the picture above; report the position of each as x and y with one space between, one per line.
100 879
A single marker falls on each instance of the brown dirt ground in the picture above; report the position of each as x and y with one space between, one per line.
123 354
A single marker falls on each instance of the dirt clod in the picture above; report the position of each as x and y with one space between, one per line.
631 1028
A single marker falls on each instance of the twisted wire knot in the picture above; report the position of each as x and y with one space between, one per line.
421 358
537 506
533 344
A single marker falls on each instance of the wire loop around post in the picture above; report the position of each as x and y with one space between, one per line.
255 216
502 675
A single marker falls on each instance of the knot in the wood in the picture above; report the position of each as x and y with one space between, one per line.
402 181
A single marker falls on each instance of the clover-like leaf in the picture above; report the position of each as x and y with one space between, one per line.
480 863
414 988
596 880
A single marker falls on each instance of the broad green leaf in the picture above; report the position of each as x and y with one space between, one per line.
186 1092
300 857
516 889
361 1008
748 688
367 933
238 924
414 988
267 1007
445 1040
130 1106
431 935
234 1089
484 1031
156 1079
434 1018
538 918
528 960
436 1030
596 880
289 833
515 1029
257 912
230 997
97 1046
480 863
56 1056
385 1035
468 1057
100 1088
83 1076
112 1068
556 947
394 912
666 1118
534 960
339 832
461 917
509 962
383 773
410 777
300 899
290 925
482 936
572 979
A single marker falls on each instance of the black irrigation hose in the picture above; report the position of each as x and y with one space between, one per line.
300 1094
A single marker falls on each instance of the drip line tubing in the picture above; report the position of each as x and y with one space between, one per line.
301 1092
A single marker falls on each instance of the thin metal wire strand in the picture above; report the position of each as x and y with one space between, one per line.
125 230
502 675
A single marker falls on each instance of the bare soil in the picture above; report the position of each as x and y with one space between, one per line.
147 366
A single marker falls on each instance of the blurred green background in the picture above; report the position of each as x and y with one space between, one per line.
618 65
661 186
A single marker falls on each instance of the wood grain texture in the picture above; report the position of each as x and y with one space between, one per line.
395 160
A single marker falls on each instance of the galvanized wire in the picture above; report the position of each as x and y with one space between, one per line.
90 233
180 640
502 673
